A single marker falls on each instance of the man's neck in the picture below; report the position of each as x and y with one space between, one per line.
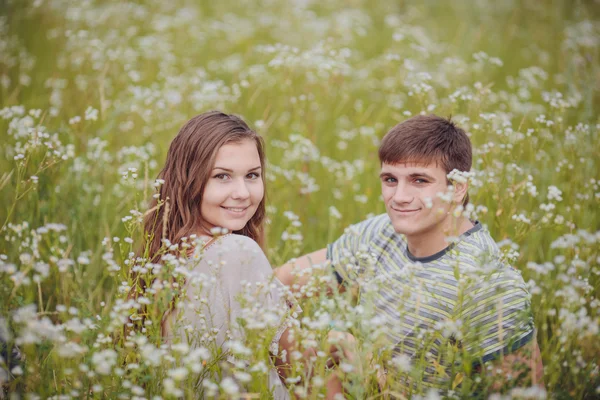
431 242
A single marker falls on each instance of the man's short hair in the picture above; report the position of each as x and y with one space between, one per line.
427 139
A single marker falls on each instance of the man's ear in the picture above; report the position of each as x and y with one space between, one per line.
460 192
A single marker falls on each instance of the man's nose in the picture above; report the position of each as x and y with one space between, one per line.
403 194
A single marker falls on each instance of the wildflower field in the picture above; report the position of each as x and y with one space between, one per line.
93 91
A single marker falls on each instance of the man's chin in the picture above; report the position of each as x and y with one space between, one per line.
402 229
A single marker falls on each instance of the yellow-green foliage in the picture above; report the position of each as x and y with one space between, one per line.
92 92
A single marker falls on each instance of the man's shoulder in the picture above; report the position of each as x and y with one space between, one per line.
480 252
362 236
489 270
372 224
477 243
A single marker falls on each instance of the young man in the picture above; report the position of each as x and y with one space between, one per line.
432 275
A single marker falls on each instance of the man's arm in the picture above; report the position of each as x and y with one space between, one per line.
301 265
522 367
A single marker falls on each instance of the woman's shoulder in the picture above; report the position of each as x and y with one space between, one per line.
233 242
236 253
234 247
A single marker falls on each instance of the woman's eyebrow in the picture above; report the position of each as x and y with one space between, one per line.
230 170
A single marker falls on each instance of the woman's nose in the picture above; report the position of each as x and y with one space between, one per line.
241 190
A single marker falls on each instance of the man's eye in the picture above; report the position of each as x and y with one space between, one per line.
419 180
389 179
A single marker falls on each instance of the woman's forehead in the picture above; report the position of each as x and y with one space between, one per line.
238 154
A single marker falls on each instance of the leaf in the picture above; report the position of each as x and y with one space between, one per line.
5 178
440 370
131 357
457 380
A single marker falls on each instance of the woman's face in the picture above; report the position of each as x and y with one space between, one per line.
235 187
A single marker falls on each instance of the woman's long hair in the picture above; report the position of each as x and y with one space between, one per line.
190 160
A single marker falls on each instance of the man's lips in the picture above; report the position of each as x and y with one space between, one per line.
406 211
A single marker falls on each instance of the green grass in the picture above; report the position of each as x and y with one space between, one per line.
322 103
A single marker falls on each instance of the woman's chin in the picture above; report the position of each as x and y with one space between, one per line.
233 227
231 224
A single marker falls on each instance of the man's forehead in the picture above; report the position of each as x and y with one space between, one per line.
412 166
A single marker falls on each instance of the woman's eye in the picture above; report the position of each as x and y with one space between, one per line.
253 175
222 177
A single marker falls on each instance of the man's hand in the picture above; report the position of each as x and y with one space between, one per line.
520 368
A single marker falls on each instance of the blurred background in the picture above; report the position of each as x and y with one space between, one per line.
92 92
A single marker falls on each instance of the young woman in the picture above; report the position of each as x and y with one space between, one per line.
214 183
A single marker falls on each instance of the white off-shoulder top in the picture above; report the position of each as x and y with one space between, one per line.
232 279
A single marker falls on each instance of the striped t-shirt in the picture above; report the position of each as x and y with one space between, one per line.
461 305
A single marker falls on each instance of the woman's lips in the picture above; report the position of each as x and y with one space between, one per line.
236 211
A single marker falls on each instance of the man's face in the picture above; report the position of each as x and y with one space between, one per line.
410 192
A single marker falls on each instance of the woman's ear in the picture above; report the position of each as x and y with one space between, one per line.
460 192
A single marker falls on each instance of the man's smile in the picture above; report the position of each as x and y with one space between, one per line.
406 211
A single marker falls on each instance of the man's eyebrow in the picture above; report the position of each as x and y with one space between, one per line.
421 175
230 170
381 175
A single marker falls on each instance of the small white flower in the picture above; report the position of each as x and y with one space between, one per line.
242 376
229 386
178 374
554 193
345 367
459 176
17 371
170 389
181 348
91 114
217 230
104 361
138 390
83 259
334 212
402 362
428 202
